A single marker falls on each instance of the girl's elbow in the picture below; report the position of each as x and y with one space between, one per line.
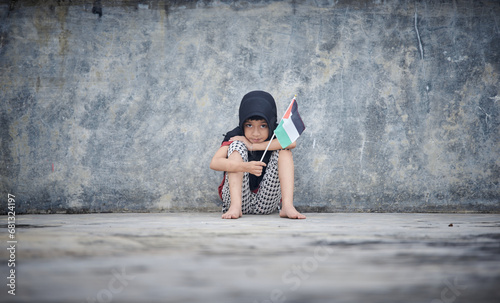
292 146
215 164
212 165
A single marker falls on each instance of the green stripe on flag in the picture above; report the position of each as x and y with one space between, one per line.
282 136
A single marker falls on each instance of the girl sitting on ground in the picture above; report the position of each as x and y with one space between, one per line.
250 186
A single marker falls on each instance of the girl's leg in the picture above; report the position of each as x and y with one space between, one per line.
235 182
269 195
236 194
286 177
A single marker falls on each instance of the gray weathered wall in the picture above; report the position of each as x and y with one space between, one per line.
123 112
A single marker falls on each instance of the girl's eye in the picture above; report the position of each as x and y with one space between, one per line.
263 126
248 125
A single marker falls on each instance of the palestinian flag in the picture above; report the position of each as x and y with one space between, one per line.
291 126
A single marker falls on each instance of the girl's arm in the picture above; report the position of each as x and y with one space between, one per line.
221 163
275 145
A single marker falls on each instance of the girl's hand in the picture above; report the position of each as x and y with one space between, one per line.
255 167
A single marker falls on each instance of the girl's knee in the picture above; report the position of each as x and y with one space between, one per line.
238 146
285 155
285 152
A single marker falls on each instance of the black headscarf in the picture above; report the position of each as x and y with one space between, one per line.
261 104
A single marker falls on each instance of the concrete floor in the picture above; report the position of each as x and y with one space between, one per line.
197 257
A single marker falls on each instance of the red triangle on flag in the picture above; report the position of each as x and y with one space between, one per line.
289 110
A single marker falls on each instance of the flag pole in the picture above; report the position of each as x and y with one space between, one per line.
267 147
265 151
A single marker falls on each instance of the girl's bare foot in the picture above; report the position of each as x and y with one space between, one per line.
291 212
232 214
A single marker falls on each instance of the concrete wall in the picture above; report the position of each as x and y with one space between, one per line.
123 111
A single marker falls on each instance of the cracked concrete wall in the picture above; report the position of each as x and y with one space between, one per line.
120 105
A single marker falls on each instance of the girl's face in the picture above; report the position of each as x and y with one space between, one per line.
256 131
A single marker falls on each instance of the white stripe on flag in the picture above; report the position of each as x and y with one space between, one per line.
290 129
